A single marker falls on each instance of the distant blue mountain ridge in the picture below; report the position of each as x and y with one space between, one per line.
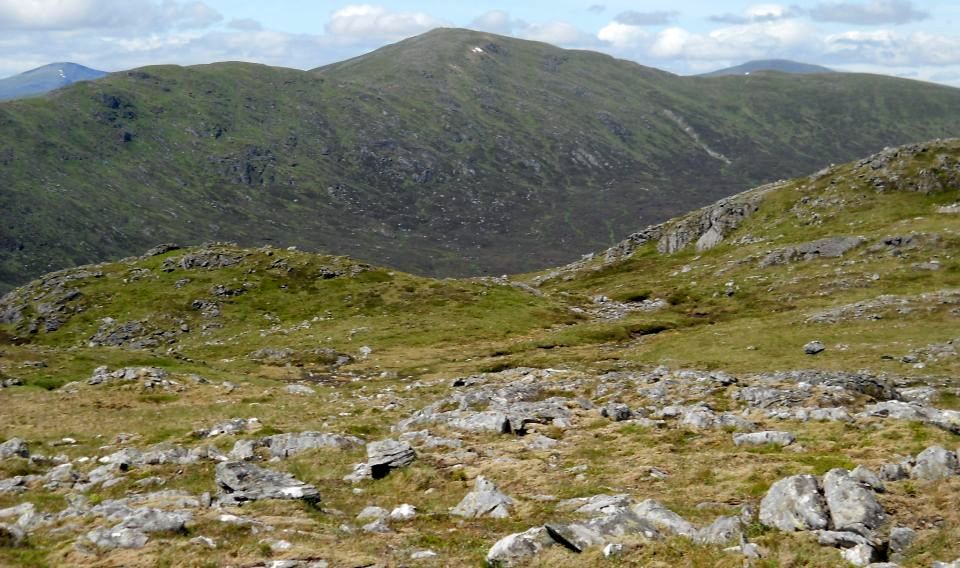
781 65
45 79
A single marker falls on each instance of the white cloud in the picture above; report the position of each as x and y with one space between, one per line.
749 41
760 13
362 23
623 36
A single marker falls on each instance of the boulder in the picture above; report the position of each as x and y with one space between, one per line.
484 501
14 448
860 555
764 438
794 504
894 471
616 411
935 463
724 530
813 347
900 540
866 477
404 512
853 508
385 455
242 481
11 536
517 549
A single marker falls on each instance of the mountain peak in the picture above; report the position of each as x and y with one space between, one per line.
45 79
778 65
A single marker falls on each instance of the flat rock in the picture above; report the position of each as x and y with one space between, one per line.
663 519
842 539
289 444
597 504
794 504
242 481
117 537
764 438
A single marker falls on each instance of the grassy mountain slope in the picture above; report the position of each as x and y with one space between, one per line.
781 65
744 304
454 152
45 79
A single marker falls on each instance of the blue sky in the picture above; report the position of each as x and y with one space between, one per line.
909 38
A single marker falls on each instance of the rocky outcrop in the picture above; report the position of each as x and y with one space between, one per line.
894 169
709 226
833 247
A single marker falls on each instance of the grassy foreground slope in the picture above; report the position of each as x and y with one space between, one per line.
452 153
887 305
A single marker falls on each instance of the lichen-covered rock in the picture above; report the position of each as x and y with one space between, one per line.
794 504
